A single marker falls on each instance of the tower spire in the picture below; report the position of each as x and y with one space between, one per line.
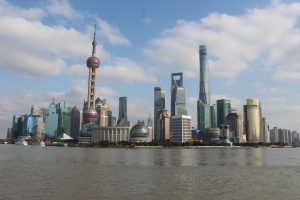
94 42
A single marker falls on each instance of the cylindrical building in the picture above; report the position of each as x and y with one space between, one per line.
252 121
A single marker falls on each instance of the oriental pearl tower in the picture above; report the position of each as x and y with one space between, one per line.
89 112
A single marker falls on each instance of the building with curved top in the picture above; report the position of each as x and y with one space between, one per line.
252 121
140 133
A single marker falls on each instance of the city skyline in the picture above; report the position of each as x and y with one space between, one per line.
254 61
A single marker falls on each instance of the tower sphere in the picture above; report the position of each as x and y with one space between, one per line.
90 115
93 62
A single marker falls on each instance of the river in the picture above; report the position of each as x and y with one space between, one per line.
33 172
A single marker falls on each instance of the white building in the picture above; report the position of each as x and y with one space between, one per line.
181 128
112 134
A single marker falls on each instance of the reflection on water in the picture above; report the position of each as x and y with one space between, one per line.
107 173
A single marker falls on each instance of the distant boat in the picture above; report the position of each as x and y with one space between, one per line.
42 144
23 142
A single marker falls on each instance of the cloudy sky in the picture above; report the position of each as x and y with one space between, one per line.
253 47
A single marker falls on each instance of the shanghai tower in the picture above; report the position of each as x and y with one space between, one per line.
204 93
203 103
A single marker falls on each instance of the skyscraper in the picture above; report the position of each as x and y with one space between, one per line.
122 120
102 109
64 119
17 126
213 117
181 128
203 103
223 109
89 112
265 131
163 125
39 128
159 104
75 123
111 119
252 121
204 93
178 106
203 115
51 122
235 122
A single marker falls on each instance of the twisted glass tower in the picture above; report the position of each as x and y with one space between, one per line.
204 93
203 103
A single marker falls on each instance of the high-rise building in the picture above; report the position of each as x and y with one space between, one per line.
89 112
213 116
223 109
204 94
39 127
112 121
203 104
122 120
181 128
265 131
236 127
29 124
17 126
274 135
203 116
178 106
163 125
75 123
252 121
9 134
64 119
102 109
159 104
224 133
51 122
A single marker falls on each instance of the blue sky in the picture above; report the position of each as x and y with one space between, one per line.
253 49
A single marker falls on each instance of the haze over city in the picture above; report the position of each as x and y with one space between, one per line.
252 48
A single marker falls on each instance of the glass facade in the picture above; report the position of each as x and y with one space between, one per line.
122 120
159 104
178 106
204 94
29 125
223 109
51 122
64 119
203 112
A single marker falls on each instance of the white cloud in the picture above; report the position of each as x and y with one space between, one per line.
64 9
111 33
267 90
279 112
31 48
126 71
268 37
7 9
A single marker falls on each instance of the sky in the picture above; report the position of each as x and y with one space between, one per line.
253 49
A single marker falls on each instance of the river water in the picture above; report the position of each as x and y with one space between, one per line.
32 172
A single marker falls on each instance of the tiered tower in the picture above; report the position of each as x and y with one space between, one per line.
89 112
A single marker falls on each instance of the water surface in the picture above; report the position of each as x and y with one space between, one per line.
32 172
